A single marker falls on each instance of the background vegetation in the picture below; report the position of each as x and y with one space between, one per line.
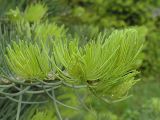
85 18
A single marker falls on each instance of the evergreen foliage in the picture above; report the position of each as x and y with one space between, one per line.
28 61
45 56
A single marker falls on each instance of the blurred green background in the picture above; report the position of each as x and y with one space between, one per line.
86 18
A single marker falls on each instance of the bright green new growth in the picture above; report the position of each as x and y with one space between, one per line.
45 115
29 67
107 64
14 15
27 60
35 12
49 30
43 112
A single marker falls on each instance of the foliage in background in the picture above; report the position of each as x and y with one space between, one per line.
119 14
85 18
